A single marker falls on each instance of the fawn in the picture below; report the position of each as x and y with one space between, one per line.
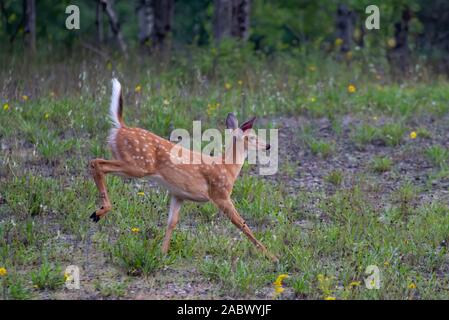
140 153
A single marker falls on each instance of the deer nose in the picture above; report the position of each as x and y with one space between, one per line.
267 147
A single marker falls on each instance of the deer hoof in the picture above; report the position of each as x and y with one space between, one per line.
94 217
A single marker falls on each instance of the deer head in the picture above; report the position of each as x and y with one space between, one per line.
245 134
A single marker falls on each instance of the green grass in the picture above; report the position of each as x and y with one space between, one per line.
138 255
390 134
47 277
437 155
320 147
381 164
325 237
335 177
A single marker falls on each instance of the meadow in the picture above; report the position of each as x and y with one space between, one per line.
363 179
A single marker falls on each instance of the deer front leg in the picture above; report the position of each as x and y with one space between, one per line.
228 208
173 217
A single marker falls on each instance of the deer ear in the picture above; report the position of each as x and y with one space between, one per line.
248 124
231 121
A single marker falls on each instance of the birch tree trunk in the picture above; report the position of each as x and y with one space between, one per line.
240 19
163 16
231 19
145 16
399 55
222 19
29 10
345 21
114 23
99 21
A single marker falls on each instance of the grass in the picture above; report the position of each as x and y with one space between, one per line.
335 177
320 147
381 164
437 155
138 255
47 277
390 134
325 237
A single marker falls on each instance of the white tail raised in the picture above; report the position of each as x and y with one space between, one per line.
115 109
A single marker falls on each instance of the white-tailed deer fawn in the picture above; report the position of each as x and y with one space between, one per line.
140 153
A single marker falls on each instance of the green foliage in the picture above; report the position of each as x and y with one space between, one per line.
320 147
276 26
139 255
437 155
335 177
47 277
381 164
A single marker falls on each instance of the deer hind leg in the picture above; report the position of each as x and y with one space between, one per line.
229 210
99 168
173 217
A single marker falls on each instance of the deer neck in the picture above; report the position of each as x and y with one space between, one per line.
233 159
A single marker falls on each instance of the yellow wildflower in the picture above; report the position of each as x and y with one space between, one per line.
46 116
352 88
354 284
6 107
137 89
391 43
386 263
279 279
413 135
3 272
412 286
312 99
338 42
166 102
330 298
228 86
135 230
141 193
278 289
25 97
67 277
240 82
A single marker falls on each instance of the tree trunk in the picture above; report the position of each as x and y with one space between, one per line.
145 15
240 19
231 18
29 10
114 23
222 19
99 21
399 55
163 16
345 21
